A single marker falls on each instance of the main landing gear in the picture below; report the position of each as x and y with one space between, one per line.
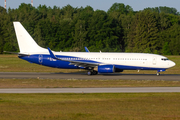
92 72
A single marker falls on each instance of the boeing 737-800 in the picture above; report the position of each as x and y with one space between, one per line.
103 62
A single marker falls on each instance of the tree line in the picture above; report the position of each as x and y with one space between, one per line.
120 29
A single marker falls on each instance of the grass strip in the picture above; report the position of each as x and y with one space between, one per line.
72 83
118 106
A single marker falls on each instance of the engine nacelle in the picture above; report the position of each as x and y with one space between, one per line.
106 69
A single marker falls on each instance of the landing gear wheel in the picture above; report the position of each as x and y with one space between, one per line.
94 72
158 73
89 73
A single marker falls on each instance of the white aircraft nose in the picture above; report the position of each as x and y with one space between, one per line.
172 63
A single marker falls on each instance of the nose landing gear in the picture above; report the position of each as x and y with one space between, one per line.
158 74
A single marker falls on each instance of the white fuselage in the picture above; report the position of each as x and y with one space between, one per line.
142 60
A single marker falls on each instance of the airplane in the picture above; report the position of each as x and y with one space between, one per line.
93 62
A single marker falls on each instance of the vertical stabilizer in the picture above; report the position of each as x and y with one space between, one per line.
25 41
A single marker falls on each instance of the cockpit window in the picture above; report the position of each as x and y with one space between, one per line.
164 59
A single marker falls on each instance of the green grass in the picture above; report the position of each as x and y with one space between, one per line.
140 106
56 83
11 63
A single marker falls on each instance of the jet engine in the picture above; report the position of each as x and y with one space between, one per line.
106 69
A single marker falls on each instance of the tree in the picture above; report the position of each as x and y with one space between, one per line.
166 50
143 36
80 34
3 16
163 9
154 30
121 8
171 45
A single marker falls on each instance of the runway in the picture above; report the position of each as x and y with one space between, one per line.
83 76
94 90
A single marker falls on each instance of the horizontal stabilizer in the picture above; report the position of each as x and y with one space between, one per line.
19 54
11 52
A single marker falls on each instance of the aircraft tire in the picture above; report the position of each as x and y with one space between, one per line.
158 74
95 72
89 73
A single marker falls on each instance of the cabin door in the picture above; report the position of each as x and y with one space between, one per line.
154 61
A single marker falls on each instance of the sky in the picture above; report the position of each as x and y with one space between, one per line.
96 4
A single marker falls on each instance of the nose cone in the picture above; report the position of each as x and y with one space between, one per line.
172 64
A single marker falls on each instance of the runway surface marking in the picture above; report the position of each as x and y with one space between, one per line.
93 90
82 76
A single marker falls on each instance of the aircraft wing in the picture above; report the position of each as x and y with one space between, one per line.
83 64
86 49
78 63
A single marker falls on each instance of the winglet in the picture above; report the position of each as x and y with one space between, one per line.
86 49
52 54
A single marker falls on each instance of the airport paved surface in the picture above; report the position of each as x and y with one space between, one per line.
27 75
93 90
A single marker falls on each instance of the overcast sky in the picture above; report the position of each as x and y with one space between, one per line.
96 4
